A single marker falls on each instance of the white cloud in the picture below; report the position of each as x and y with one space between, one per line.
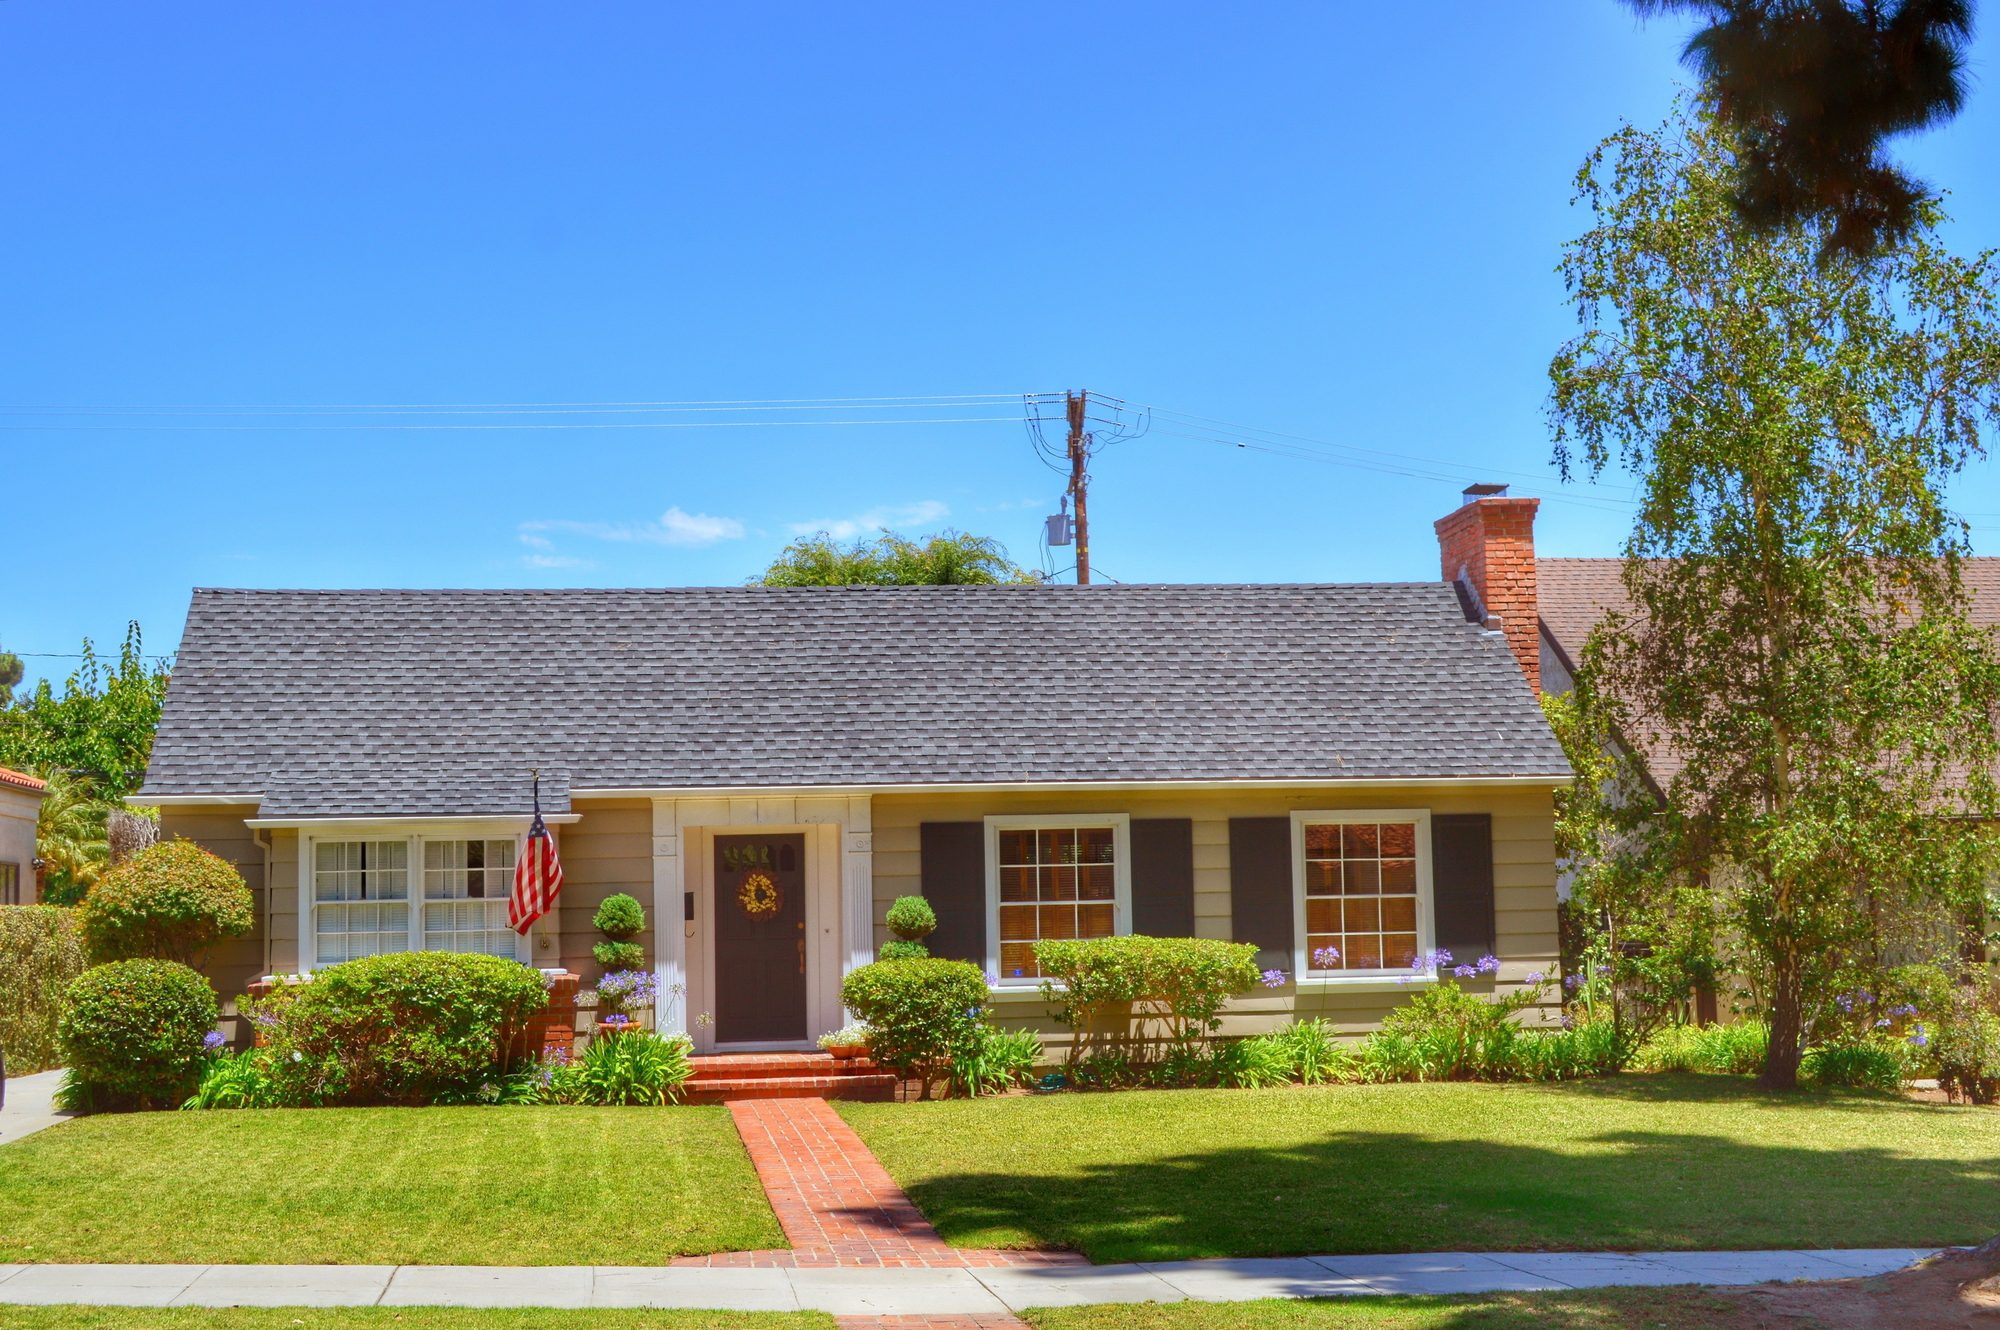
893 516
555 561
676 526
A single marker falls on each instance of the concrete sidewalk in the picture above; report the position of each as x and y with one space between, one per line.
30 1105
909 1291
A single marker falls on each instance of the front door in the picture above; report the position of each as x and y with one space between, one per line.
760 939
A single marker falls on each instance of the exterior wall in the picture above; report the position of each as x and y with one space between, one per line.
1524 880
18 811
220 831
608 851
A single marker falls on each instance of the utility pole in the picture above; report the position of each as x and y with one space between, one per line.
1079 480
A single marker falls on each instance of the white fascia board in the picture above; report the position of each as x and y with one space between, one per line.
410 823
1550 781
191 800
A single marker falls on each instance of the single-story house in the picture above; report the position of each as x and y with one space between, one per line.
1362 768
20 809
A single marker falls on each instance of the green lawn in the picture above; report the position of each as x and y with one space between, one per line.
1603 1309
394 1318
472 1186
1633 1162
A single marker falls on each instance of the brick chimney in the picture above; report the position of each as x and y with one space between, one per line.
1488 548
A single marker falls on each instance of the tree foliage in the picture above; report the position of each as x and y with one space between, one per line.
950 558
70 838
1798 637
1814 89
99 728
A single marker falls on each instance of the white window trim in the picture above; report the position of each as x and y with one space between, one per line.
1387 976
1121 877
414 837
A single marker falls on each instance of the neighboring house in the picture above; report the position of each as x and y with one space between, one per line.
20 807
1303 767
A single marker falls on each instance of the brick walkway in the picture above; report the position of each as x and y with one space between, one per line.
839 1206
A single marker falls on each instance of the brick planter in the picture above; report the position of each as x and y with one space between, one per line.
551 1032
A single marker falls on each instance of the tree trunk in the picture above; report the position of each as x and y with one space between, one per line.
1781 1059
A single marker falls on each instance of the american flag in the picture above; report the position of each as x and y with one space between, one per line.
537 877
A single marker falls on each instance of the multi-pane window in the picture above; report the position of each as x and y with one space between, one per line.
1361 896
1054 881
361 899
465 896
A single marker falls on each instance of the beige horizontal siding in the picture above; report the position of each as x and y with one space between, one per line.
609 850
1523 857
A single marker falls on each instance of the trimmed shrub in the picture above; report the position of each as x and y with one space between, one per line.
131 1033
1963 1041
614 956
922 1011
41 954
1860 1066
620 917
896 949
1178 985
910 918
403 1028
173 900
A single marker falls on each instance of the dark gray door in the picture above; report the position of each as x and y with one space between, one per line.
760 939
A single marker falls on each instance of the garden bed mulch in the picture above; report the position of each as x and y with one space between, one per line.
1959 1290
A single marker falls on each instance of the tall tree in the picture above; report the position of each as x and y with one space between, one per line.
70 838
951 558
1814 89
99 728
1798 637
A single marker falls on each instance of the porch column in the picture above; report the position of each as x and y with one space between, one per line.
857 885
670 1009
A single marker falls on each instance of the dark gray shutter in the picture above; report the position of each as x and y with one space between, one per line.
1260 887
1462 883
1163 876
953 865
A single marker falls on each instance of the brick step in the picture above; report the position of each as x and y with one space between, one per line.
874 1087
748 1066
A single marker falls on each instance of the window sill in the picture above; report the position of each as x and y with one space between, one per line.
1363 983
1017 992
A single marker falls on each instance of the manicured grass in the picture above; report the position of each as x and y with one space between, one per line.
395 1318
1629 1163
1605 1309
409 1186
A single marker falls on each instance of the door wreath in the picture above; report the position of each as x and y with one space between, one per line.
758 895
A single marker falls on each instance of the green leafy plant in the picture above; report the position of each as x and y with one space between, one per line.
402 1028
1149 997
1314 1052
640 1068
172 900
1600 1047
1254 1063
526 1082
989 1060
235 1080
910 918
132 1032
620 916
921 1012
895 949
1962 1041
1864 1065
615 956
41 954
1736 1049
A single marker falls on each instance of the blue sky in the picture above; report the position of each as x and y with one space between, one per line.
1311 220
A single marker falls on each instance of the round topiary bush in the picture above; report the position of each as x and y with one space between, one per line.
896 949
619 918
173 900
911 919
619 956
132 1031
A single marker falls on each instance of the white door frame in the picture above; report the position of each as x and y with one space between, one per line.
839 879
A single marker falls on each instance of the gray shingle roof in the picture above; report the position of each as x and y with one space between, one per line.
436 702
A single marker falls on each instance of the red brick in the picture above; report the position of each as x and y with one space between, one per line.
1492 541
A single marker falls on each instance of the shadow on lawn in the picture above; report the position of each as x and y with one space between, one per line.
1355 1192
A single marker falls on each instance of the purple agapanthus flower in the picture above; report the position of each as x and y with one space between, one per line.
1903 1009
1464 971
1488 964
1844 1002
1536 976
1274 978
1572 981
1325 957
1918 1038
1882 1024
213 1040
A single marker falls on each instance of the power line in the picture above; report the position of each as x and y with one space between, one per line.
407 426
500 408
